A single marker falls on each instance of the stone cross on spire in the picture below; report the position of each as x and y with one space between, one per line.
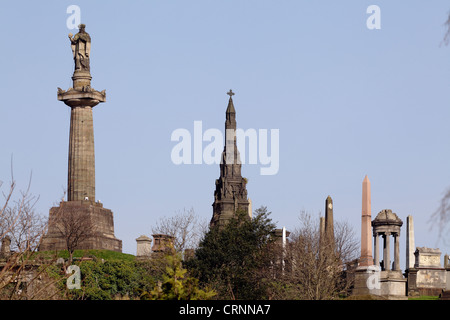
230 93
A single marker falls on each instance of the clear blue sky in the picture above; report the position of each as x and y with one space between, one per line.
348 101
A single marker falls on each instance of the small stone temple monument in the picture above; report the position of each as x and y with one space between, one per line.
392 283
387 224
231 192
81 98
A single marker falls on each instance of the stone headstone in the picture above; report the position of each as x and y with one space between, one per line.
144 246
427 257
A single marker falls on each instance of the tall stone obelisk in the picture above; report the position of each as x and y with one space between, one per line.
81 98
329 224
366 258
410 245
366 277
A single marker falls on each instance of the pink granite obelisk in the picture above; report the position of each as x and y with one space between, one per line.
366 226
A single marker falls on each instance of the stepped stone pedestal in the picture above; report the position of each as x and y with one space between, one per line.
101 218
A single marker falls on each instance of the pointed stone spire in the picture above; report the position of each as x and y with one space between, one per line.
366 226
231 192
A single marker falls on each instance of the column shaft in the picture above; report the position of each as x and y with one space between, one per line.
387 253
81 173
377 250
396 252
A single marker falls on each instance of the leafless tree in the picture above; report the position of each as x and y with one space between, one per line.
21 223
19 220
315 267
22 272
441 217
75 226
186 227
447 34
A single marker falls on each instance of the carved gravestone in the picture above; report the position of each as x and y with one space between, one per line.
144 247
427 257
428 276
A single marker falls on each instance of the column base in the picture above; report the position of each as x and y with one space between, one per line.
102 219
366 281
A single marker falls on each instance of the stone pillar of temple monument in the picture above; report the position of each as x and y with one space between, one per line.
81 202
387 252
376 250
396 252
366 258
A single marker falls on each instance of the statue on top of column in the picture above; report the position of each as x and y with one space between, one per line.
81 47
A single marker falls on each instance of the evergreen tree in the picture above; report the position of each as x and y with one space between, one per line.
232 258
176 285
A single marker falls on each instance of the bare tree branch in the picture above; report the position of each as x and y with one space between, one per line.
186 227
447 34
317 266
75 226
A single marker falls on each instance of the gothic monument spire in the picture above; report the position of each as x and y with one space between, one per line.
231 191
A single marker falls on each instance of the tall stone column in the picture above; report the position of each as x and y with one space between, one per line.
81 166
81 98
366 226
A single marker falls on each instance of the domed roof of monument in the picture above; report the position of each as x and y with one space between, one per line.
386 216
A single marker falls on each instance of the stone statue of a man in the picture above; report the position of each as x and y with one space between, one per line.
81 47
